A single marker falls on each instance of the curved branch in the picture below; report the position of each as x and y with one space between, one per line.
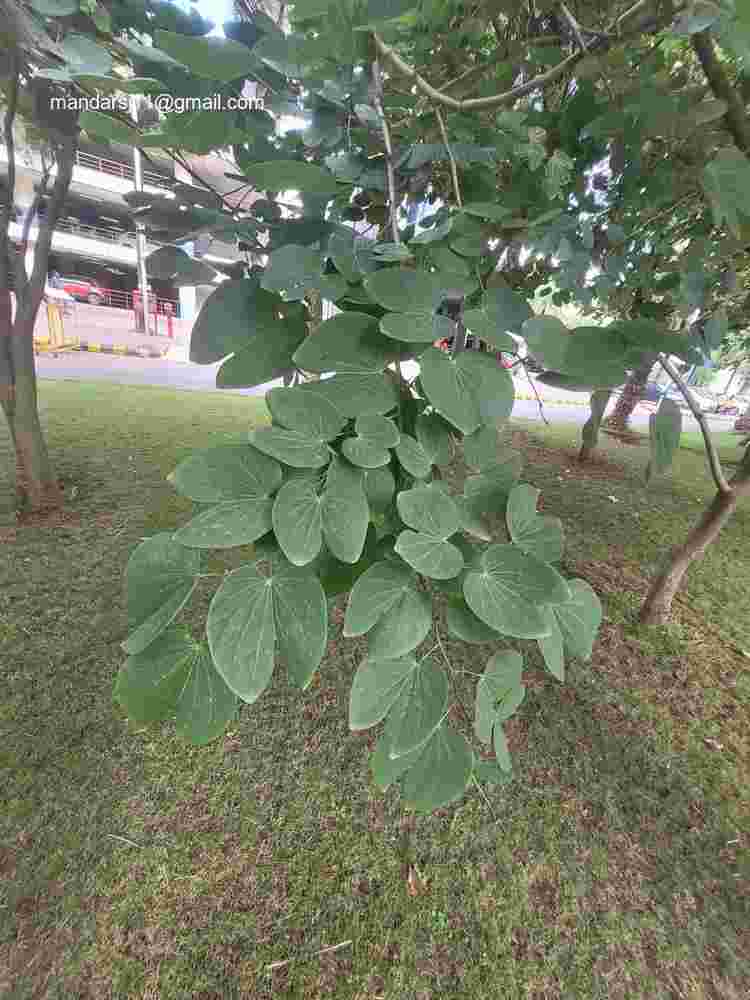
454 171
736 120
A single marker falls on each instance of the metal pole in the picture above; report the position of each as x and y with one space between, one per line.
140 238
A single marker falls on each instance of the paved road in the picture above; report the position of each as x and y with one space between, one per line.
178 374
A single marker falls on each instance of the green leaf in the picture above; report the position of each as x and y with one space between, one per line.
160 577
175 265
227 525
298 520
538 535
385 769
489 771
419 708
302 411
83 55
488 210
365 453
403 290
484 325
338 577
352 256
508 591
417 328
356 395
380 430
434 435
441 773
375 593
98 124
176 678
227 472
505 307
412 457
430 510
403 626
291 175
292 270
547 339
380 485
220 59
551 646
664 429
472 520
430 556
468 390
497 690
55 8
716 329
463 624
251 614
579 619
489 492
349 342
290 447
376 687
590 430
118 84
482 447
376 12
346 514
500 745
239 315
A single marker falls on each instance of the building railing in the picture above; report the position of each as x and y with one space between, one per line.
124 171
109 233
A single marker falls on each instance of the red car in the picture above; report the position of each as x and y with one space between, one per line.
84 289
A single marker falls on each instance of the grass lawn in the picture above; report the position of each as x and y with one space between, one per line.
134 866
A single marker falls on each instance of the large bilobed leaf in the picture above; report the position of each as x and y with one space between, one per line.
498 693
352 256
509 589
434 434
469 389
430 556
173 264
597 352
500 746
291 271
484 325
472 522
375 593
94 123
403 626
507 308
481 448
298 520
262 360
430 510
380 429
160 577
220 59
83 55
441 773
664 429
419 708
488 210
365 453
402 290
176 678
380 485
227 472
291 175
415 328
579 619
488 492
294 448
386 769
238 314
303 411
547 339
726 180
346 514
236 522
463 624
536 534
338 577
412 457
251 615
354 395
349 342
375 688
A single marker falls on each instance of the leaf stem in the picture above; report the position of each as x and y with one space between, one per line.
454 171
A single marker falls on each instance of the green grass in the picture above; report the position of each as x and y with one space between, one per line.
135 866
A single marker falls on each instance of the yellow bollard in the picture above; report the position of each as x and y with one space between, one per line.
55 325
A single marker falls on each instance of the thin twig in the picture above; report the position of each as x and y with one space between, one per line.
390 175
536 393
713 456
574 25
454 171
125 840
323 951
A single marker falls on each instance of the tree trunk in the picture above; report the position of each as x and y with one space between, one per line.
631 394
658 604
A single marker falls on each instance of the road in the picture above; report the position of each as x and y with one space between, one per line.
561 406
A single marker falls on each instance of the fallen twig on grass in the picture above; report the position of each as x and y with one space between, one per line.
323 951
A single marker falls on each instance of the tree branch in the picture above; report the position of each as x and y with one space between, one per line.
604 41
454 171
574 25
21 276
736 120
713 456
389 172
7 215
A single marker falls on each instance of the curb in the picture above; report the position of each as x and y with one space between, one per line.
43 346
550 402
